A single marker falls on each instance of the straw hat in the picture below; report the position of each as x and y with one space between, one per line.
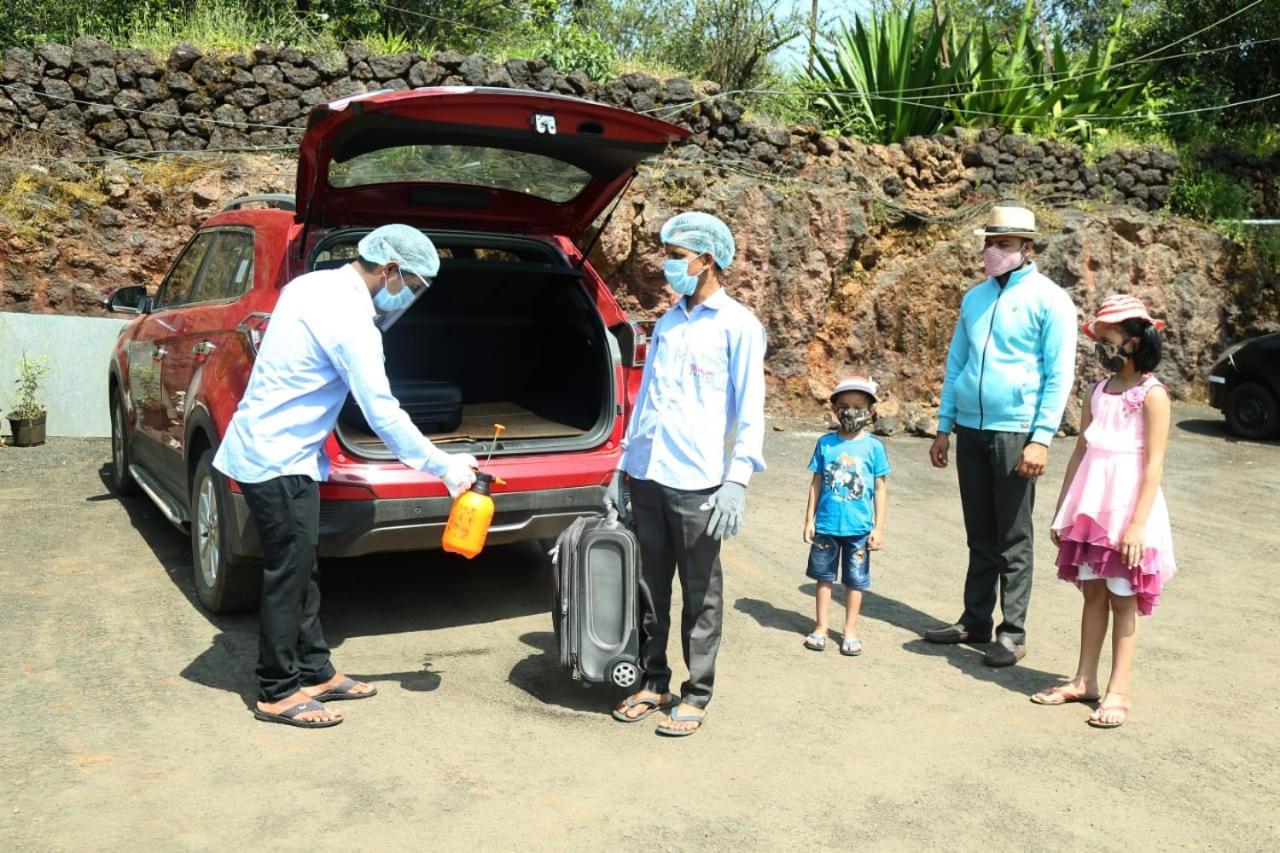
1116 309
1009 221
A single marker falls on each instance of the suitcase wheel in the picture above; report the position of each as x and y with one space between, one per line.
624 673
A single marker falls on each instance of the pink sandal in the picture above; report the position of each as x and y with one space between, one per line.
1096 720
1063 695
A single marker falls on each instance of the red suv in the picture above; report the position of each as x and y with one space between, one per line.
504 182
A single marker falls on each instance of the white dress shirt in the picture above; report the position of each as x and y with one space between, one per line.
703 378
320 343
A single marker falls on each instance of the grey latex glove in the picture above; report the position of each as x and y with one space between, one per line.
615 495
728 505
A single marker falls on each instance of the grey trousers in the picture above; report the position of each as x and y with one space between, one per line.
997 519
672 530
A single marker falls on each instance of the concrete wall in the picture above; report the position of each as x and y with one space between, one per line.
79 350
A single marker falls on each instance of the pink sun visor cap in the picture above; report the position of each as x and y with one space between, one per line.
865 384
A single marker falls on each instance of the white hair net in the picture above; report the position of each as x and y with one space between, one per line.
701 233
406 246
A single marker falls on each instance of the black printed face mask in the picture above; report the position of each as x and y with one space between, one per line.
852 420
1111 356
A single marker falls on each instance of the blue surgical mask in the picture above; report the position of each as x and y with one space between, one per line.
388 302
676 271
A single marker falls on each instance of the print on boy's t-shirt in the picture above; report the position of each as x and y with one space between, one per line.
849 468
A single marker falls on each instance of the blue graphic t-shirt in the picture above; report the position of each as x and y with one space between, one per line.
846 505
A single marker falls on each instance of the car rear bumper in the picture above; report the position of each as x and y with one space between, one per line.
353 528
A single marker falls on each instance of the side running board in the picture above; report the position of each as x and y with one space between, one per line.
171 508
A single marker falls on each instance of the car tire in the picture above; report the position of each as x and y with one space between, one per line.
1252 411
225 582
122 482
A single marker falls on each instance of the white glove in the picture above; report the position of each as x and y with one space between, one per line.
458 471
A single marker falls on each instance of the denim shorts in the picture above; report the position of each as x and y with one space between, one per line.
850 553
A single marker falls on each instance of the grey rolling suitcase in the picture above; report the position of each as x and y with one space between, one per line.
596 564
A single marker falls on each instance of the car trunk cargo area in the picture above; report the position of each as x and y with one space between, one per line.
510 325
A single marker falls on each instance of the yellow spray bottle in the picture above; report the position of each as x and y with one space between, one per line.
472 512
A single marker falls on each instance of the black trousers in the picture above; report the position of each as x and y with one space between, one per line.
671 527
291 646
998 504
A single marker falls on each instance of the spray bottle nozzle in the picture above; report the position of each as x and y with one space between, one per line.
497 431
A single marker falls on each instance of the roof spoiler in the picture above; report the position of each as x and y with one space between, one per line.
282 201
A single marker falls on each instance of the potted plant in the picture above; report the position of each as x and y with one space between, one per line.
26 418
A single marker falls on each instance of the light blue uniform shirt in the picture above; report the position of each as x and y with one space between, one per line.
1012 358
321 341
703 378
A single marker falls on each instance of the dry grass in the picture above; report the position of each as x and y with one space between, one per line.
170 173
34 202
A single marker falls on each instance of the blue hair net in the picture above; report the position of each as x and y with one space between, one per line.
406 246
701 233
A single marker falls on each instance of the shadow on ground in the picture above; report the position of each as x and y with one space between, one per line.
542 677
966 658
1218 429
380 594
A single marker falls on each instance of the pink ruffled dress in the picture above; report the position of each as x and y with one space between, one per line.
1101 498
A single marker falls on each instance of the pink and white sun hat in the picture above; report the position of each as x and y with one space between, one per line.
1116 309
865 384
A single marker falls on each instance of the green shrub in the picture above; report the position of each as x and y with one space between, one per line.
1208 195
860 86
571 48
899 76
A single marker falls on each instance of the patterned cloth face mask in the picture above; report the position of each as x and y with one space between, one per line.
1111 356
852 420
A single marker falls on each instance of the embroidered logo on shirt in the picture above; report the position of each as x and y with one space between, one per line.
701 372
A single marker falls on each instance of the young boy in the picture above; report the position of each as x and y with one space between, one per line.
845 517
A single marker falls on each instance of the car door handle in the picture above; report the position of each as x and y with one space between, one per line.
159 353
204 348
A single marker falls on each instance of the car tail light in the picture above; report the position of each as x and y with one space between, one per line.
640 345
633 340
253 328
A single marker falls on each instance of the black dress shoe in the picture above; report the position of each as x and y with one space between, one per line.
1005 652
956 633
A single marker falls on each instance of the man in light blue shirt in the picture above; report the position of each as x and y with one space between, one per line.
695 438
1009 372
323 340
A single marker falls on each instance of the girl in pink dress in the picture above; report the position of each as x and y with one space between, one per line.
1112 525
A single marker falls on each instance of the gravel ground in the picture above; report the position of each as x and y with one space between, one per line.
128 722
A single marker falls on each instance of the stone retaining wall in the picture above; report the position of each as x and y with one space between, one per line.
128 100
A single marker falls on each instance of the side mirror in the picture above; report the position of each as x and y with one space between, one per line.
128 300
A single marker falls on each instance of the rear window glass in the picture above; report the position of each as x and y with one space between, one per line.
495 168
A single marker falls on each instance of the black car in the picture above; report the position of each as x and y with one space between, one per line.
1245 386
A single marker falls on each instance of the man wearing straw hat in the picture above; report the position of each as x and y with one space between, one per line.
1009 371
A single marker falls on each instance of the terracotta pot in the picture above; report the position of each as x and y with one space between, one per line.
27 432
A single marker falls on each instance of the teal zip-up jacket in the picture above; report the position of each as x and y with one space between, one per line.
1012 358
